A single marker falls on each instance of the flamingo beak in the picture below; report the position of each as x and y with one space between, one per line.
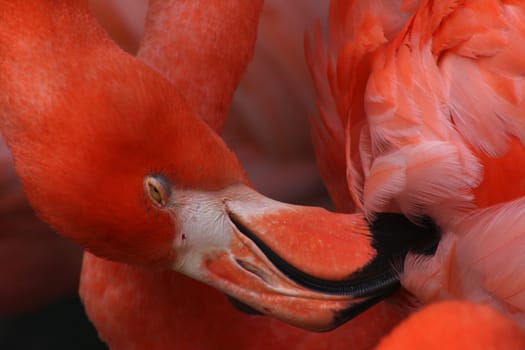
306 266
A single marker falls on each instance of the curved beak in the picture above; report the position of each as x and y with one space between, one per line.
304 265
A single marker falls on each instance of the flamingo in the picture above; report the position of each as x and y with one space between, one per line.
68 143
48 251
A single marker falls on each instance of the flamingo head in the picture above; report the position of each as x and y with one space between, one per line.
130 173
111 156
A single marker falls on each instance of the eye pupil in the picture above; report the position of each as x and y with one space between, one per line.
155 193
157 189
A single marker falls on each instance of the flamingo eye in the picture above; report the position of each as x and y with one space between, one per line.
157 189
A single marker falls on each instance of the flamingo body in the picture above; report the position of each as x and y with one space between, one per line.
425 101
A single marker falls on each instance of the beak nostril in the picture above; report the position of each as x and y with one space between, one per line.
251 269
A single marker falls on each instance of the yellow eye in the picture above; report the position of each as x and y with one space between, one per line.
157 189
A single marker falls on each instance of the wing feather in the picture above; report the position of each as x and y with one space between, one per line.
451 75
340 72
481 260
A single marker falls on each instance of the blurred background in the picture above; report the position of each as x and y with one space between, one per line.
267 128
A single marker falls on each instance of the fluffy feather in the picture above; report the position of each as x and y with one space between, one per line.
481 260
444 78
